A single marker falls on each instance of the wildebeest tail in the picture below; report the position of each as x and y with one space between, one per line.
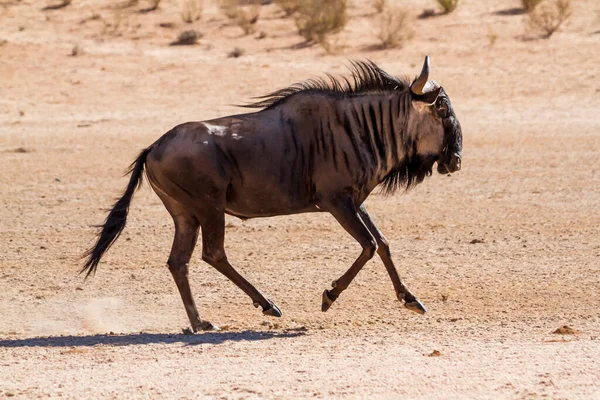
115 222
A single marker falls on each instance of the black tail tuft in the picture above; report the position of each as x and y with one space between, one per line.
115 222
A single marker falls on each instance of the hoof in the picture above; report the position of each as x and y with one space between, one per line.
416 306
273 311
328 300
204 326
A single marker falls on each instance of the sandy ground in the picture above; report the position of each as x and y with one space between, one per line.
503 253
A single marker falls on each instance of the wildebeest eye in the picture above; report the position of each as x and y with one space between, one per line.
442 108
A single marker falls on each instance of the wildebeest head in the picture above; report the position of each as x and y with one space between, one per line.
434 125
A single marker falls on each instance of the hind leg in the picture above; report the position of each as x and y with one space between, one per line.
186 235
213 252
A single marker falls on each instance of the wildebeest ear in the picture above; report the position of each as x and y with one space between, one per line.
429 97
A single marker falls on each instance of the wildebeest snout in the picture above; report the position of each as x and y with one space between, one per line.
450 164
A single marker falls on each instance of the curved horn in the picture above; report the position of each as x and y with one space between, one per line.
421 81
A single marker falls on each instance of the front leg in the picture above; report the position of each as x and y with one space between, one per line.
383 249
346 213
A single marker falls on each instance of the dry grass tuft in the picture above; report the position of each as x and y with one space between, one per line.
492 37
317 20
550 17
395 28
192 10
448 5
530 5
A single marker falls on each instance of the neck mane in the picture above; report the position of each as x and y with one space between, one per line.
375 107
365 77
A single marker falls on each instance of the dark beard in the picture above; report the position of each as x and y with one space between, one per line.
408 174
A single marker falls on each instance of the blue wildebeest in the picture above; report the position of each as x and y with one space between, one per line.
320 145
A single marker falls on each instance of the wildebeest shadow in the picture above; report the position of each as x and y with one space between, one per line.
150 338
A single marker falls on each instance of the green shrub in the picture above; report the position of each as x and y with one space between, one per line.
448 5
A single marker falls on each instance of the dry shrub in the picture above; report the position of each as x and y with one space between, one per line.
379 5
192 10
530 5
448 5
246 18
230 8
289 7
394 28
316 19
550 17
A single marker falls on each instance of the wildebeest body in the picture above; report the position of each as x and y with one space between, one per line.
315 146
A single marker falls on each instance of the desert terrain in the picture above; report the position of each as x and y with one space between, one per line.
503 253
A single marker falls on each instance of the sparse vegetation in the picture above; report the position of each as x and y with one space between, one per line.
192 10
379 5
492 37
394 28
187 38
76 51
316 20
448 5
236 52
115 26
246 18
550 17
289 7
530 5
427 13
230 8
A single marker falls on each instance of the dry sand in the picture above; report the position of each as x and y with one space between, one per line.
503 253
